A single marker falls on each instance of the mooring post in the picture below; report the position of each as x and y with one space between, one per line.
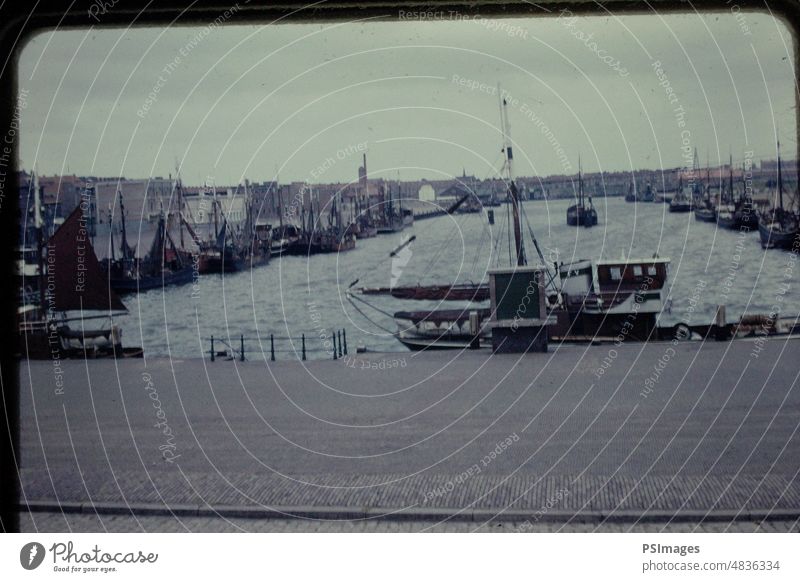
304 347
339 335
333 336
272 347
344 338
212 348
241 348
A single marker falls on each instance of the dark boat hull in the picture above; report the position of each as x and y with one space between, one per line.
738 222
705 215
179 277
777 239
680 207
224 264
579 216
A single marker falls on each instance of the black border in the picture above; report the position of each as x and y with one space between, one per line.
18 23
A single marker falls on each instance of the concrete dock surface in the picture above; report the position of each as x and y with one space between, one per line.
662 432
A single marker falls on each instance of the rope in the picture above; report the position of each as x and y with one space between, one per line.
352 298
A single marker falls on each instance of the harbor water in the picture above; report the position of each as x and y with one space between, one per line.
292 296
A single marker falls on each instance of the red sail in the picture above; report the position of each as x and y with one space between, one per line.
74 279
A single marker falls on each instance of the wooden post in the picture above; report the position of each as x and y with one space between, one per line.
304 347
241 348
272 347
333 336
212 348
344 337
339 335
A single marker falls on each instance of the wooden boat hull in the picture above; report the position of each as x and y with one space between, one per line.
367 232
680 207
214 264
773 238
579 216
705 215
440 329
179 277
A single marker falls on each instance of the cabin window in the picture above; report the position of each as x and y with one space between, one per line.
616 274
637 270
651 270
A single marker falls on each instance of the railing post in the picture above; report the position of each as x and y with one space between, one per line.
333 336
339 335
272 347
212 348
344 337
304 346
241 348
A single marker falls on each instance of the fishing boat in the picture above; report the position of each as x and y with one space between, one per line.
682 199
779 227
736 213
392 220
631 195
582 213
587 298
165 263
72 291
365 225
706 212
286 239
680 203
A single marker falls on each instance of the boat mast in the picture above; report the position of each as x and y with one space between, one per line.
39 224
179 187
214 204
512 187
730 175
580 184
780 175
125 256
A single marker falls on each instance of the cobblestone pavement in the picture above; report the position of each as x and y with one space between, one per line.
717 431
56 522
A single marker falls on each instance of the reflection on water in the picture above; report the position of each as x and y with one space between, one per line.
298 295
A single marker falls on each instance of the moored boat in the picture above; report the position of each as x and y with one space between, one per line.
779 227
582 213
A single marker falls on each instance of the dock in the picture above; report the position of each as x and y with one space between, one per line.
668 432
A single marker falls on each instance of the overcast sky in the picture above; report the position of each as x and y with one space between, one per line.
252 101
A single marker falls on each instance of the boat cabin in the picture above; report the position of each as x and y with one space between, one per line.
631 275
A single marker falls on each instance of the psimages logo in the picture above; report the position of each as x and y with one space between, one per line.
31 555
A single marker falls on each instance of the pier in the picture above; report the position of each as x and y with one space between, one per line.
685 432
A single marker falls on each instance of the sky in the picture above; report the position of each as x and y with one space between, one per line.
303 102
